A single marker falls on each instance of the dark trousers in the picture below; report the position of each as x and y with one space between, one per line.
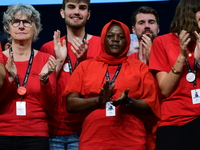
23 143
185 137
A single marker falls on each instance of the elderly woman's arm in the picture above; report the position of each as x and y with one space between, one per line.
48 83
2 74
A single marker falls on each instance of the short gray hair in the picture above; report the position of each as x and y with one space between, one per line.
28 10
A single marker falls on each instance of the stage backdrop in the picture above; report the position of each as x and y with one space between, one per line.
101 13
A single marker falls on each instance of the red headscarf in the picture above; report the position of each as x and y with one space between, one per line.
89 77
109 59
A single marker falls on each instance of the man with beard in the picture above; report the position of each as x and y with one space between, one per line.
76 46
145 25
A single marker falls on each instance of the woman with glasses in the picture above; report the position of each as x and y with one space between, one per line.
29 88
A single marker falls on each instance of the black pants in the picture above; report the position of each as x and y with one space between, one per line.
185 137
23 143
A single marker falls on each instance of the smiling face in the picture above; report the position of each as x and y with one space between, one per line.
75 14
21 32
146 24
115 41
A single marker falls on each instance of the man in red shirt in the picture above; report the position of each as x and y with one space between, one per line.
70 50
145 25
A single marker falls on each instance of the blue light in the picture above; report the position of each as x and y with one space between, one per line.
50 2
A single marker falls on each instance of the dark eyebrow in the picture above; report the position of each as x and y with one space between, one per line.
83 5
148 20
152 20
141 21
70 5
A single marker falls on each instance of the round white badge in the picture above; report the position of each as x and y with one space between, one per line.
66 67
190 77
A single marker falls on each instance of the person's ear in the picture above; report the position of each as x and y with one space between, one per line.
133 29
89 14
62 13
7 46
158 28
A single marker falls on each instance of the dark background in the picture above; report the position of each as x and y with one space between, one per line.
100 15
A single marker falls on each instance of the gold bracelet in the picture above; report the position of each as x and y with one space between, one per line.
175 71
179 61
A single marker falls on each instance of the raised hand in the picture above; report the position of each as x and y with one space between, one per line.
48 68
144 48
197 48
79 48
60 50
106 92
184 40
11 68
123 99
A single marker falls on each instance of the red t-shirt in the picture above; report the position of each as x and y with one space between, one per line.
177 109
60 121
38 98
134 55
126 130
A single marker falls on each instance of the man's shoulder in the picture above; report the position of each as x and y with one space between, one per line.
166 36
94 48
88 62
50 43
42 56
49 47
95 38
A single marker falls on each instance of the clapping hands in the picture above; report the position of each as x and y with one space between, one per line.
11 68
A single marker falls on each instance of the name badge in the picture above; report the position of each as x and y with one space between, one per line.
110 109
195 96
21 108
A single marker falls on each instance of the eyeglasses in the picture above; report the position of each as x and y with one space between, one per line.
16 22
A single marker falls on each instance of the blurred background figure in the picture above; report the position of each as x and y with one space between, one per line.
134 46
4 41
